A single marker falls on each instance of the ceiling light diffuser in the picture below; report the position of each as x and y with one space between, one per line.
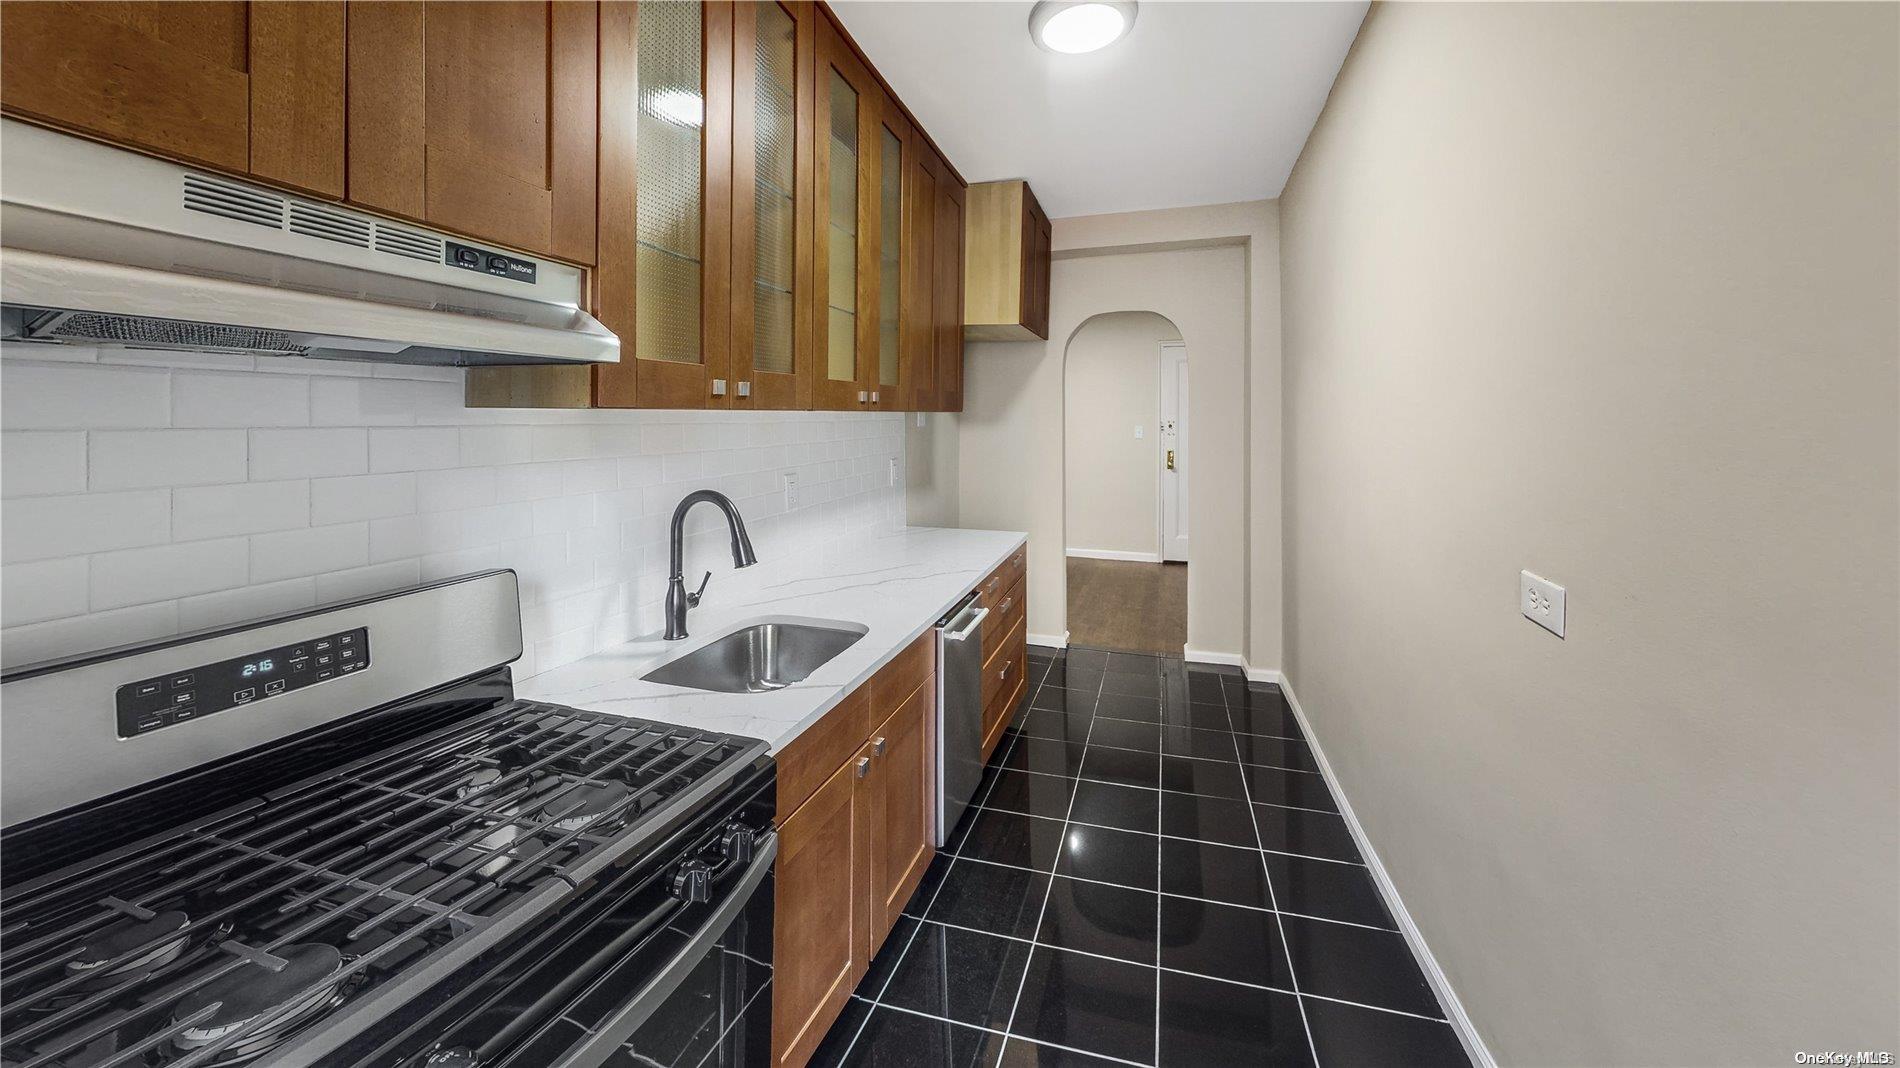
1076 26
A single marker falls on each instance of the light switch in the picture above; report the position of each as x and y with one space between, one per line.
1138 433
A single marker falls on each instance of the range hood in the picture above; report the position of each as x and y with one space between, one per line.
99 246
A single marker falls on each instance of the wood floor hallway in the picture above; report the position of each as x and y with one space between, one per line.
1128 605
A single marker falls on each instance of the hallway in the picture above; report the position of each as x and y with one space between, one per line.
1128 606
1154 874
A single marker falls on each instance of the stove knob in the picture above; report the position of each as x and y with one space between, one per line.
454 1057
736 843
693 882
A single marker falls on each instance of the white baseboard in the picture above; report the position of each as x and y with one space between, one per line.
1441 986
1049 641
1115 554
1203 656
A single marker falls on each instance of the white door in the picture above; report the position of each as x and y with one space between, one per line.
1174 451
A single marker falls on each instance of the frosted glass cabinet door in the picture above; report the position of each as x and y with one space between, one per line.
846 252
773 301
892 134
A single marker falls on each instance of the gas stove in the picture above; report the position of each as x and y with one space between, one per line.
364 883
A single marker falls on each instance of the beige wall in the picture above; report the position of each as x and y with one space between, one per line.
1113 385
1011 431
931 470
1609 292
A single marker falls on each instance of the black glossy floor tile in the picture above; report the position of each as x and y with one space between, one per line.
1145 663
1083 656
1012 838
1206 819
1351 1036
1132 683
1045 756
1038 795
1338 960
1312 834
1108 805
1126 734
1089 1003
1053 696
844 1031
1046 723
1202 717
1199 742
1224 941
1326 888
1206 689
1209 1022
961 975
892 1038
1126 858
927 886
1111 920
1123 766
1207 778
1129 706
1276 752
1270 719
889 955
1216 872
991 897
1022 1053
1297 789
1077 677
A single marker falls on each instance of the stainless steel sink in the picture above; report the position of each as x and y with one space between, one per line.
767 655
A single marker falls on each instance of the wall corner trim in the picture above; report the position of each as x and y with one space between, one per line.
1454 1009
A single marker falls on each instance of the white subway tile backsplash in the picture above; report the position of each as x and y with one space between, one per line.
245 508
43 589
414 448
38 528
239 400
290 553
148 493
138 459
35 396
38 462
315 452
162 572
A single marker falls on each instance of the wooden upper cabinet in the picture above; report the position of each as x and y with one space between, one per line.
845 261
478 118
1006 266
948 279
774 51
249 88
893 143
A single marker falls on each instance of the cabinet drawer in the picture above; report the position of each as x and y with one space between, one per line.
900 678
811 758
1005 614
994 588
1004 668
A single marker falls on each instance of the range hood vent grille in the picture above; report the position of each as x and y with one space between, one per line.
399 242
147 332
312 220
244 205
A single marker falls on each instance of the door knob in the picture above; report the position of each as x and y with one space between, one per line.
1170 459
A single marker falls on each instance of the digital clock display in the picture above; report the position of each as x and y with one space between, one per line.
258 667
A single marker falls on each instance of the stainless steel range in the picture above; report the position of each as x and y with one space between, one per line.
335 837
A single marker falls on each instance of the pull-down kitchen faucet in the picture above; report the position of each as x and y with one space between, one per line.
677 599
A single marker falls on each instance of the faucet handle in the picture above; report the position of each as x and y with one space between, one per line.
692 599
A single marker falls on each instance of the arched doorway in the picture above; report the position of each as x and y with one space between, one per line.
1124 485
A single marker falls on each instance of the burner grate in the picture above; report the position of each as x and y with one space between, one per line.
398 862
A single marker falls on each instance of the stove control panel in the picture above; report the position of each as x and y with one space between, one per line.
153 704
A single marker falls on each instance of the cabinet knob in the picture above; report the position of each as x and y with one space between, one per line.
877 747
874 396
862 396
718 387
745 389
864 766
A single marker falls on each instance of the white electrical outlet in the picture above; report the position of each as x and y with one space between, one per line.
1542 602
791 490
893 474
920 419
1137 433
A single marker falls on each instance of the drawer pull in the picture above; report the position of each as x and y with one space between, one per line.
877 747
1004 673
1006 605
864 766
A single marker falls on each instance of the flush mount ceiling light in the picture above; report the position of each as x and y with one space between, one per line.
1076 26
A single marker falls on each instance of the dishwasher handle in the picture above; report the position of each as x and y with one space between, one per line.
968 629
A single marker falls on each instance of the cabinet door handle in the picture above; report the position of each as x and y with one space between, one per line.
864 766
877 747
1004 673
1006 605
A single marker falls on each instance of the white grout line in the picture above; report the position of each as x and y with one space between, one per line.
1011 1036
1315 997
1175 837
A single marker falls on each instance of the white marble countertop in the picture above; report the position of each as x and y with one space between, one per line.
897 584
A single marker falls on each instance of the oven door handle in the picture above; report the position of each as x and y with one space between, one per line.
617 1029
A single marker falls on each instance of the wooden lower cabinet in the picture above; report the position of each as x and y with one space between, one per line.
853 851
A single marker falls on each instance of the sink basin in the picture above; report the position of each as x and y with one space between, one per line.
767 655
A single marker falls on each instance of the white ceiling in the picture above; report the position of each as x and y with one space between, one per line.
1202 103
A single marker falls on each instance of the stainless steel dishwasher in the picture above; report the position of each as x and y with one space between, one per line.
959 712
